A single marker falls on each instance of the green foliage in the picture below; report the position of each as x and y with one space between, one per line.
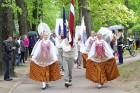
106 13
12 5
136 28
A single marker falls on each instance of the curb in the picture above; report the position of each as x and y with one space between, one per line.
12 89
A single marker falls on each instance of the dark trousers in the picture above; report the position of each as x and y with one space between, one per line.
120 52
30 50
26 54
17 59
7 69
137 44
22 57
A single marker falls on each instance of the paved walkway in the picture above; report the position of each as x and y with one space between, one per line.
80 84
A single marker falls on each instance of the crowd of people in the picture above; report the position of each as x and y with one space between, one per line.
53 56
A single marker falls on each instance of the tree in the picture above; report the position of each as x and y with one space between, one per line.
6 28
85 11
22 20
106 13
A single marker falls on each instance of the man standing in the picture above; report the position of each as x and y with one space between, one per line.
8 49
68 60
120 38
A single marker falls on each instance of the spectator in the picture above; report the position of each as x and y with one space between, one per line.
120 46
8 49
16 54
26 43
19 53
32 42
22 50
137 42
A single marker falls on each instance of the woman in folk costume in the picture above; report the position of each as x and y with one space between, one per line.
101 64
68 60
88 45
44 66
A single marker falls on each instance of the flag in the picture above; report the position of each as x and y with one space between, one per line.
83 32
59 30
64 23
71 23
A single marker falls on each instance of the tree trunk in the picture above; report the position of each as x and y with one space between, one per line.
6 28
126 28
83 4
23 26
80 10
1 39
35 15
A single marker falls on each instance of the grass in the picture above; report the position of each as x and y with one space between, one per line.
130 69
22 65
126 52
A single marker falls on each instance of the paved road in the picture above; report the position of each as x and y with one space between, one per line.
80 85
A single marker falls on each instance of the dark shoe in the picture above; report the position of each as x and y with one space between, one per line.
67 84
70 80
44 88
47 85
10 79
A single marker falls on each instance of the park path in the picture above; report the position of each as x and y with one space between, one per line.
80 83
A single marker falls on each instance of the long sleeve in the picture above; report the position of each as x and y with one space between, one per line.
108 50
36 50
8 48
91 53
54 52
58 44
64 47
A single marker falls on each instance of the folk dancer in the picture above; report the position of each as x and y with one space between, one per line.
88 45
101 64
44 66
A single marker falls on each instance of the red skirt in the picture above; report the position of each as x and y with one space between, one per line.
44 74
84 57
101 72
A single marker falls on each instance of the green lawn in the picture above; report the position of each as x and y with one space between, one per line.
126 52
129 70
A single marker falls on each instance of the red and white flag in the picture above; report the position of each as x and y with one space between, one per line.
71 23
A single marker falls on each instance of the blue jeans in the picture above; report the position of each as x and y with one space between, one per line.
120 52
17 59
7 71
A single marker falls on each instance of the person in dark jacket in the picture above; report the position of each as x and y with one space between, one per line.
8 49
16 54
32 42
22 50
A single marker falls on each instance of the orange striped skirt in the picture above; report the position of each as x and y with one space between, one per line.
44 74
84 56
101 72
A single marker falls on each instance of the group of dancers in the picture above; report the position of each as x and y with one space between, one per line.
49 60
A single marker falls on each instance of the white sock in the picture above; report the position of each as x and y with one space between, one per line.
44 84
